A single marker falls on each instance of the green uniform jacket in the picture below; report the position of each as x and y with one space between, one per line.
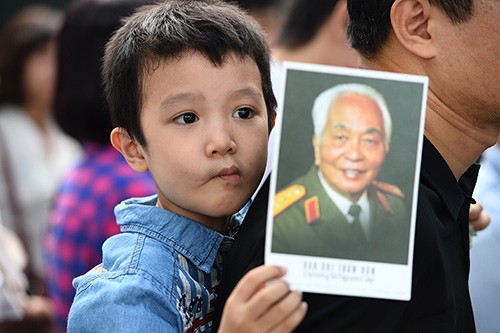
309 223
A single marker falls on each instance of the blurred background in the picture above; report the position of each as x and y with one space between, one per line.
9 7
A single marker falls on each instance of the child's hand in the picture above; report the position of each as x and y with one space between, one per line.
254 306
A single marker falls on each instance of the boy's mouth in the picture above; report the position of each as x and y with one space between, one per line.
230 174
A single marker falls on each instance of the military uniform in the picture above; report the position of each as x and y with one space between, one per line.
307 222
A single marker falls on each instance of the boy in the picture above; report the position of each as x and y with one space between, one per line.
189 88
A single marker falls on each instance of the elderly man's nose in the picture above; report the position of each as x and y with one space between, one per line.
354 150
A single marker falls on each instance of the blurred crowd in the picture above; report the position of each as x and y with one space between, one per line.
60 178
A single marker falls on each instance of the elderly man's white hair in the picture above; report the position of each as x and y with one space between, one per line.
324 100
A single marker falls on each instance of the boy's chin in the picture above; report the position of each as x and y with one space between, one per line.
228 210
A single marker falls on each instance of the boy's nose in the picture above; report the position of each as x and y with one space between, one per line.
220 142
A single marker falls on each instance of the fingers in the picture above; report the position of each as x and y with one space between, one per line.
261 303
293 320
478 218
285 314
276 309
255 280
482 222
475 210
267 297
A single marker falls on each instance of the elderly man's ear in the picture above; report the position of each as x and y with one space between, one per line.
413 23
316 151
129 148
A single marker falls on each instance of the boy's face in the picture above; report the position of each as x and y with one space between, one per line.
206 129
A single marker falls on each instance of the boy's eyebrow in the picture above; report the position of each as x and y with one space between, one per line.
196 96
247 92
180 97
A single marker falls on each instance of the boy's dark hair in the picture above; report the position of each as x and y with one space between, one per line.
303 19
370 22
29 31
79 105
167 31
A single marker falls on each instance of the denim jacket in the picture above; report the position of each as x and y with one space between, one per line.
158 275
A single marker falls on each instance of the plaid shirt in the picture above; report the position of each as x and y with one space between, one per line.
83 219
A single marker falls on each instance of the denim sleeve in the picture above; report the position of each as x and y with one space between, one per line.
122 303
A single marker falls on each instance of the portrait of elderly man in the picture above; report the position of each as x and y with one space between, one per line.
338 209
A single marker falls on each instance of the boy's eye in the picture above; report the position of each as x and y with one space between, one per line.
186 118
244 113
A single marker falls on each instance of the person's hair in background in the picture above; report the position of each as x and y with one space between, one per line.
30 32
268 13
315 33
300 27
83 217
80 106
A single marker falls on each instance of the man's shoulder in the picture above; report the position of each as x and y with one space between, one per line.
389 196
288 197
296 192
297 204
389 189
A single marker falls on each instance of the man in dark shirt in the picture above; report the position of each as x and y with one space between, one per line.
455 44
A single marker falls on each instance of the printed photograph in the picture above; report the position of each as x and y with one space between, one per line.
345 178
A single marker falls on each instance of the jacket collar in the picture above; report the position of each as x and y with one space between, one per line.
193 240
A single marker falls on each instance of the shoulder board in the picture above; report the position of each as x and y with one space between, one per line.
287 197
385 204
388 188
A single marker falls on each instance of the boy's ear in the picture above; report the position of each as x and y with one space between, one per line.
410 21
273 121
129 148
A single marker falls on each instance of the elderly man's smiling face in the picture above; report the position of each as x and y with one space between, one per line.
351 149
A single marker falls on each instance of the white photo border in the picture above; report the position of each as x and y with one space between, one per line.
340 276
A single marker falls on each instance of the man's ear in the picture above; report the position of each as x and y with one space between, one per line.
410 22
317 151
129 148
